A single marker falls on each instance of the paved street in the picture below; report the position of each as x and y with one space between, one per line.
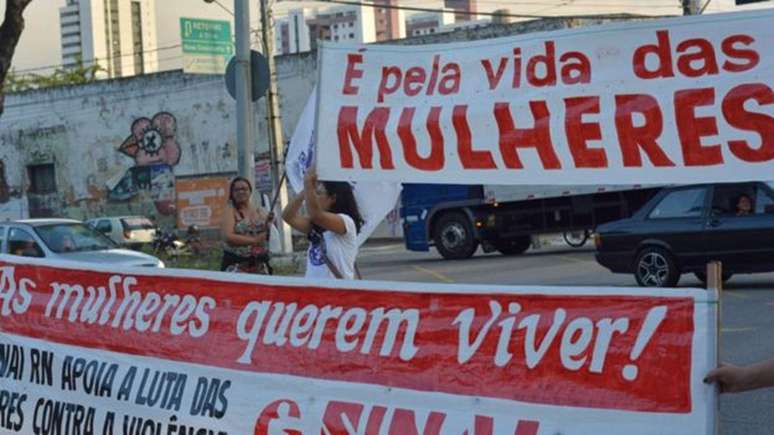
747 314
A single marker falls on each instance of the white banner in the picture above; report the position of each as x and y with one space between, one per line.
142 351
680 100
374 200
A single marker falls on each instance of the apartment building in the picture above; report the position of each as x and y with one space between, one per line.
119 35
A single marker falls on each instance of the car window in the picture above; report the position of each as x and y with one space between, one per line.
2 237
103 226
21 242
136 223
69 237
680 203
737 199
764 203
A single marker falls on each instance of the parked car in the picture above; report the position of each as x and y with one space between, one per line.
66 239
682 228
131 231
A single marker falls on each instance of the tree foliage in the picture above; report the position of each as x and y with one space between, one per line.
78 74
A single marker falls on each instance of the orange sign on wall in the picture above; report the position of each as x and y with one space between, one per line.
201 200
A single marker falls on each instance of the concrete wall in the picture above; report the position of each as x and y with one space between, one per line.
117 145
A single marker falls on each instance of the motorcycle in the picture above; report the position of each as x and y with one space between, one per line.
168 243
193 239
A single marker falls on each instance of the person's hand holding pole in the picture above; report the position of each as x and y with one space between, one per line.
734 379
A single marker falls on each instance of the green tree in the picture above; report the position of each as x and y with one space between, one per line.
10 31
74 75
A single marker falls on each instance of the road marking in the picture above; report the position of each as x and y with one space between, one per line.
736 329
734 294
436 275
573 259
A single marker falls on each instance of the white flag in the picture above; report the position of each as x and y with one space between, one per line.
375 200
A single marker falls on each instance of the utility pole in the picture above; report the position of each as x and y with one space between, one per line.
244 107
274 121
691 7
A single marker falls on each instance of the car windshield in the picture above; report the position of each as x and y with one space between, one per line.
72 237
137 223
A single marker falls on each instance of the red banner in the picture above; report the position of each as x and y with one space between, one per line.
614 352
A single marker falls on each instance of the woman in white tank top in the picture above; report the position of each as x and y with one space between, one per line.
332 225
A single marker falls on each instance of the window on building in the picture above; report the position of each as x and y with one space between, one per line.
113 38
432 30
336 38
351 24
139 61
335 26
351 36
42 178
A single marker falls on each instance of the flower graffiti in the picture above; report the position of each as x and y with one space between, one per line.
153 141
154 148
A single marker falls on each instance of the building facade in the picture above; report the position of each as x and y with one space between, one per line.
118 35
342 24
302 28
464 10
291 32
428 23
389 20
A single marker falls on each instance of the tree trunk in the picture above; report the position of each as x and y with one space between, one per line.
10 31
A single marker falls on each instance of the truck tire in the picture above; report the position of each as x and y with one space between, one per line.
453 236
576 239
513 246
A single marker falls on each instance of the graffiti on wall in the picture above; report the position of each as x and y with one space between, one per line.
154 148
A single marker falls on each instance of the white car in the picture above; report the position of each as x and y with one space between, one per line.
132 231
66 239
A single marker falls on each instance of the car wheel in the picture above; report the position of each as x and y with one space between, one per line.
656 267
513 246
453 236
702 276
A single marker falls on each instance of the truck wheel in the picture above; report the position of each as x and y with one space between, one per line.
453 236
656 267
514 246
576 239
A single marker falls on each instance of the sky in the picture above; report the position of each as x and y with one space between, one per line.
38 45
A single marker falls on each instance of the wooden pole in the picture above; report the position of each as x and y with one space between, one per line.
715 284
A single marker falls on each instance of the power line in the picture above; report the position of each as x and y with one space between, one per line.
96 60
221 6
461 12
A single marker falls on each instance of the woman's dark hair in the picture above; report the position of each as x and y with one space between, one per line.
231 187
345 201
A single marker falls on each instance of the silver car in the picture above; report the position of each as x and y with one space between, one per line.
66 239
